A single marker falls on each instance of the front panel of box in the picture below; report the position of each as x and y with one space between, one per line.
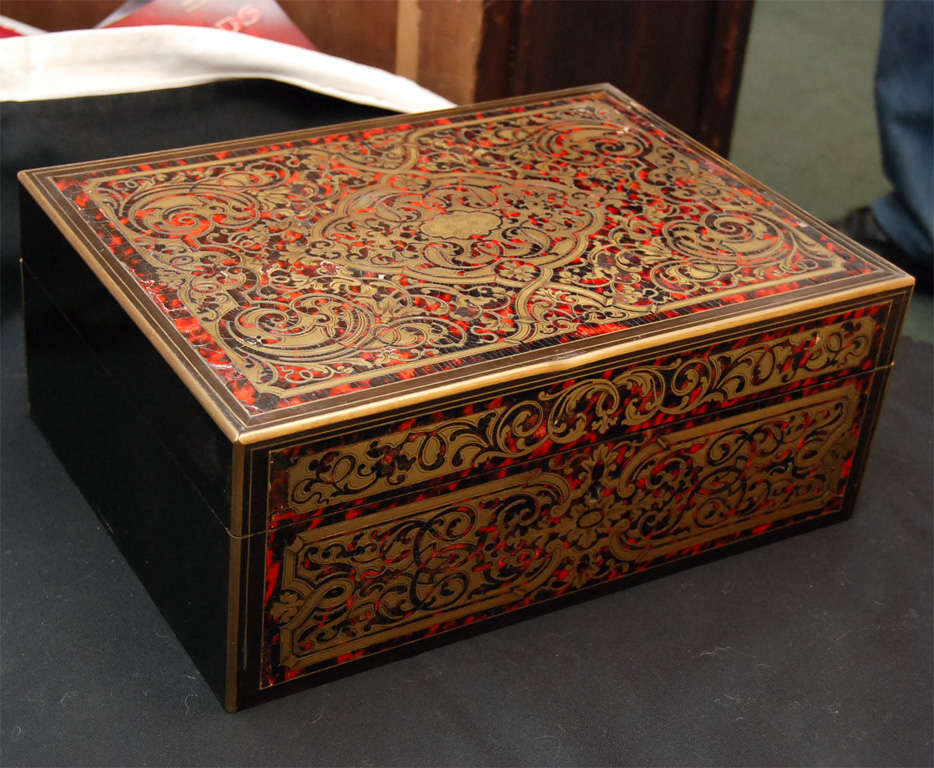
399 532
466 552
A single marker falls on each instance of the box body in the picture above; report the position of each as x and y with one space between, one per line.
363 386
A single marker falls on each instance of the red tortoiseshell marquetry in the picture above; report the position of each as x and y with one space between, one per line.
306 268
378 538
442 367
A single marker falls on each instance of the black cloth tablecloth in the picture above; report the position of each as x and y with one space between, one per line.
816 649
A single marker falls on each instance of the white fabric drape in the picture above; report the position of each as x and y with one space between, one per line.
95 62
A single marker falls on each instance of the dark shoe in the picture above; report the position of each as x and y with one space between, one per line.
861 225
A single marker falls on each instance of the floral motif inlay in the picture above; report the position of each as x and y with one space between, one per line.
555 418
577 519
329 264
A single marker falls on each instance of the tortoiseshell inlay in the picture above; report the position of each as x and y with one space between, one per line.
323 478
462 363
331 264
431 561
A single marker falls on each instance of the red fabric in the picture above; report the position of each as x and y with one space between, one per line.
260 18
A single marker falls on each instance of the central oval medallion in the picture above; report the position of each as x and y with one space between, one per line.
461 225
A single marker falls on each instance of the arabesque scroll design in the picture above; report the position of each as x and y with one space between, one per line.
409 571
328 262
584 517
562 416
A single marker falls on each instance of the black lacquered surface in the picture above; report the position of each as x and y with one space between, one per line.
158 516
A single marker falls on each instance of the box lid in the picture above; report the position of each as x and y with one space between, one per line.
301 279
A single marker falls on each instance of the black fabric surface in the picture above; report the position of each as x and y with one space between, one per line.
816 649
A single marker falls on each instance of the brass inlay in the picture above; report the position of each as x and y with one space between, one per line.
330 474
245 426
582 517
318 265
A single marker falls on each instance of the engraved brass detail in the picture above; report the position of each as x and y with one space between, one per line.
583 517
595 405
372 255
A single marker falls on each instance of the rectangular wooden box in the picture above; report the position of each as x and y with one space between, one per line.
337 391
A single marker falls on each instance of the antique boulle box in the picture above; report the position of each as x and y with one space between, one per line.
341 390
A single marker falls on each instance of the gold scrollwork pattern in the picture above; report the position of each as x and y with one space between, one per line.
325 262
577 519
561 416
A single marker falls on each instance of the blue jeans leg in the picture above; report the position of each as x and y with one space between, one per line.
904 108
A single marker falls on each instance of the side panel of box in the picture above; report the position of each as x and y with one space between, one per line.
158 518
145 381
442 520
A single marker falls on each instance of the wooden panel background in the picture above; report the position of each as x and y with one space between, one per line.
57 15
